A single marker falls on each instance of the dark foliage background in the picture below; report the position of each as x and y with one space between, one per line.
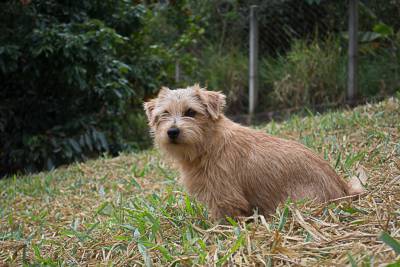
74 74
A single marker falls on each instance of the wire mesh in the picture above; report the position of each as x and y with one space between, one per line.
283 24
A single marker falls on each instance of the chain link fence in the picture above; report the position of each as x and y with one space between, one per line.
303 49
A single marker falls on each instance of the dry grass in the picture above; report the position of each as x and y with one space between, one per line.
130 210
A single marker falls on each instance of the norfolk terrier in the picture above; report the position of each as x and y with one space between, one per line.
231 168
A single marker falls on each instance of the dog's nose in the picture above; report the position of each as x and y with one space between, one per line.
173 133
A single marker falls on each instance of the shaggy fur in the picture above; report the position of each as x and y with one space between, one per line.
231 168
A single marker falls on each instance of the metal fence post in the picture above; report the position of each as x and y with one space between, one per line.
253 61
177 72
353 51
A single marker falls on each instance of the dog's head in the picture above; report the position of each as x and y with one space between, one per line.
181 120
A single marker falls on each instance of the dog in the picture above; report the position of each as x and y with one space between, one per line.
231 168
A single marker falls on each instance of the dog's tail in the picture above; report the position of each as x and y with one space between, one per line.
357 183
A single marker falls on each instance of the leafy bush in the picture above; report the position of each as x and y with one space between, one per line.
62 82
379 68
308 74
74 75
314 73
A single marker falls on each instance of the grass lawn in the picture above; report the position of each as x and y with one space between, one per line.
131 210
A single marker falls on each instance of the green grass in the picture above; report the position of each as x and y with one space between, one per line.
315 72
131 209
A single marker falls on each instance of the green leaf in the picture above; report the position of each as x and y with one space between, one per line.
122 238
101 208
394 264
232 221
390 241
283 218
92 227
88 141
50 164
188 205
353 210
236 246
36 250
75 145
143 250
350 160
123 68
351 260
309 112
103 140
367 36
164 252
338 160
128 227
135 183
383 29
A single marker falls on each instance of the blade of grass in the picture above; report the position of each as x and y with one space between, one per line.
236 246
390 241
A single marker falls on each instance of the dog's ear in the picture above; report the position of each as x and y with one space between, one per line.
163 91
150 105
214 102
149 109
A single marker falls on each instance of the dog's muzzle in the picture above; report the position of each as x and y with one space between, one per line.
173 133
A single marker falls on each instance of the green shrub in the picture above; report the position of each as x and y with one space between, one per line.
310 73
316 72
379 66
74 75
61 84
225 71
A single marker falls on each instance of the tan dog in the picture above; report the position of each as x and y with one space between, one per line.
231 168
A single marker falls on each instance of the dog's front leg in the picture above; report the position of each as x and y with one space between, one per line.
233 207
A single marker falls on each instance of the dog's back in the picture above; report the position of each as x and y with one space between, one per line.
277 169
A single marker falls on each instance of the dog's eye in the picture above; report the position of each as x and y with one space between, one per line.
190 113
165 112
